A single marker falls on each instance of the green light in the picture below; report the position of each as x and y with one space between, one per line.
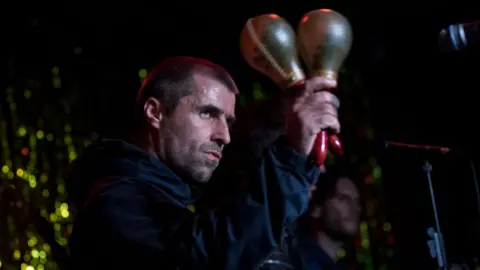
142 73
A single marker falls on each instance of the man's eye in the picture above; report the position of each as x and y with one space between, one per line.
206 114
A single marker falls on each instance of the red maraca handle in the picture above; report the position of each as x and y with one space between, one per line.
320 148
322 142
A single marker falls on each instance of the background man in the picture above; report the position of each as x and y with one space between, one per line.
331 222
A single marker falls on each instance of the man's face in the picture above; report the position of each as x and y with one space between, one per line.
193 135
341 212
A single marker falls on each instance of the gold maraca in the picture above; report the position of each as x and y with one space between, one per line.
324 38
267 43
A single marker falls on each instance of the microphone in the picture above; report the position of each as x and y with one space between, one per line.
458 36
396 144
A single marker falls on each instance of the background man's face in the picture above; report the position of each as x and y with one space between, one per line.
341 211
194 134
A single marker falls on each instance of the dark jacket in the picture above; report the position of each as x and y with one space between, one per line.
299 252
285 256
135 213
313 257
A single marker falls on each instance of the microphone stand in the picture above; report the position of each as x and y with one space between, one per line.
475 182
436 244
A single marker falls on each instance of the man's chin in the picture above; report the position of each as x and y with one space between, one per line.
202 176
341 233
203 179
350 230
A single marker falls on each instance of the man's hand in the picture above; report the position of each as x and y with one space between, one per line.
312 110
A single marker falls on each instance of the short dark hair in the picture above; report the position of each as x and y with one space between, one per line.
327 183
172 80
326 189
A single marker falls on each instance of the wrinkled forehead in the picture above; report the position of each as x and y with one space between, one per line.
210 91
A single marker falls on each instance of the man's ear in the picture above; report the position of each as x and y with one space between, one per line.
154 112
316 212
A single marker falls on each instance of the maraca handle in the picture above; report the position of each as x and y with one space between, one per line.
322 142
323 139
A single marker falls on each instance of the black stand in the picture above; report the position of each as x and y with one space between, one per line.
475 183
436 243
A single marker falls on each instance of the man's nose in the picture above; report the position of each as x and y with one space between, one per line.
356 208
221 133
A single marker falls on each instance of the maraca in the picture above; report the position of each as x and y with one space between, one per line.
268 45
324 40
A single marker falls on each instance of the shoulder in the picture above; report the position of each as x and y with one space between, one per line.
131 209
123 198
114 188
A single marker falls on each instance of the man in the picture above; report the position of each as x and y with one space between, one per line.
331 221
137 200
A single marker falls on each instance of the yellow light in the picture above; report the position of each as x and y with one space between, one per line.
67 140
387 227
46 247
55 70
191 207
32 241
363 226
17 254
27 93
35 253
72 156
19 172
53 217
22 131
64 206
43 177
65 213
62 241
142 73
57 83
365 243
32 183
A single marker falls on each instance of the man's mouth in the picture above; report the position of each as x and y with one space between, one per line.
214 156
